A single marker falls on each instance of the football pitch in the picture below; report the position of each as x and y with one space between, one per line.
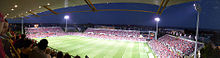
100 48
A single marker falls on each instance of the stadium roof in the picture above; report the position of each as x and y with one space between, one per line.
22 7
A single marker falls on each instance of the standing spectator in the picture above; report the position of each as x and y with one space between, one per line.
39 50
2 52
5 40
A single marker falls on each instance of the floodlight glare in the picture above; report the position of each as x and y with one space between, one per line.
48 3
66 17
157 19
12 9
16 6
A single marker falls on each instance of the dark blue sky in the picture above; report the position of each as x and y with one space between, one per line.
182 15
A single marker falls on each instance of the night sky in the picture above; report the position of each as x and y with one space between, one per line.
181 15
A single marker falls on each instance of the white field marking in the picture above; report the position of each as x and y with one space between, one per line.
143 53
128 51
150 55
146 49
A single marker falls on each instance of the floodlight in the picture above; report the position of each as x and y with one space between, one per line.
66 17
157 19
16 6
12 9
48 3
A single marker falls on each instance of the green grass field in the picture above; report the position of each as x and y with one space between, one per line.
100 48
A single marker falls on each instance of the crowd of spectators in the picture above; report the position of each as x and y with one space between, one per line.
181 45
115 32
169 45
22 47
161 50
42 32
112 34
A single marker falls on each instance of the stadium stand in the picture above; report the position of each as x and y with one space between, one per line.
171 46
181 45
161 50
114 34
43 32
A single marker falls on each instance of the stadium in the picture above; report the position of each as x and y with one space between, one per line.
105 29
113 43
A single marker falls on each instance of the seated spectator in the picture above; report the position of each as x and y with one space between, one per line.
86 56
53 54
77 56
60 54
26 48
39 50
67 55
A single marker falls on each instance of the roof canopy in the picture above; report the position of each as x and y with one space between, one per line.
36 6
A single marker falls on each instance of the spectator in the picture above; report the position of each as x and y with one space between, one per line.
39 50
48 51
53 54
67 55
86 56
60 54
2 52
5 40
26 48
77 56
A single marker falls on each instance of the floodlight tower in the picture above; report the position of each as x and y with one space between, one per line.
66 17
197 8
157 19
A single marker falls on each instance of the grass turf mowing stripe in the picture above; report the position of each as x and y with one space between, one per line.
75 46
82 50
110 52
135 51
64 44
98 48
128 51
121 50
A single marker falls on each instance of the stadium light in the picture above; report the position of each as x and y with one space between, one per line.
48 3
12 9
16 6
66 17
39 6
157 19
